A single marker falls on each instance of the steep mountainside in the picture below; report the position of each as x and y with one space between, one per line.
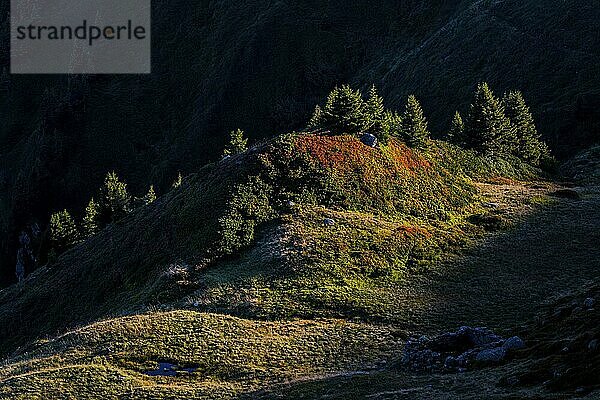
262 66
216 66
299 269
412 205
545 48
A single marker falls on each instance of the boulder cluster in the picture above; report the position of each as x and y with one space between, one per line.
458 351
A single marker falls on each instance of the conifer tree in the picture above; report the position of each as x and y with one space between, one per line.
391 126
375 111
91 219
487 129
150 197
344 111
237 143
529 144
457 130
316 119
63 231
414 125
177 183
115 201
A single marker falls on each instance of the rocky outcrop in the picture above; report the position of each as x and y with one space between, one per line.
369 140
458 351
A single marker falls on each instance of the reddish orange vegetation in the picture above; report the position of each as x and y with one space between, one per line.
348 154
413 231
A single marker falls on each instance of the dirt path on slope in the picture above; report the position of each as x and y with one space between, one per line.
503 281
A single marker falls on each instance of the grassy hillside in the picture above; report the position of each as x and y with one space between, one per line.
216 66
249 235
262 67
322 235
227 355
299 268
559 364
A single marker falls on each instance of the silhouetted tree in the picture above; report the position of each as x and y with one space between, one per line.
115 201
414 125
317 118
487 129
344 111
391 126
529 146
374 111
178 181
150 197
457 130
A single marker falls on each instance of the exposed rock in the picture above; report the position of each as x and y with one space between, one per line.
491 205
164 369
450 363
369 140
168 369
514 343
567 194
491 355
328 222
589 303
512 381
581 391
577 310
458 350
463 339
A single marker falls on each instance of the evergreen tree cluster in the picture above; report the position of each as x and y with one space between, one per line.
493 126
114 203
499 127
346 111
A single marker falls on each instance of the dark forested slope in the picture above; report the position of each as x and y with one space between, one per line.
262 66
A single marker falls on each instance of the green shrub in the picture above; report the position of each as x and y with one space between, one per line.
249 207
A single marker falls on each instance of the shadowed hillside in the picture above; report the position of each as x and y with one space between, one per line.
168 250
322 256
546 48
262 66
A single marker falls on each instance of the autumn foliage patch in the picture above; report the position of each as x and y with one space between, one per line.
346 154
